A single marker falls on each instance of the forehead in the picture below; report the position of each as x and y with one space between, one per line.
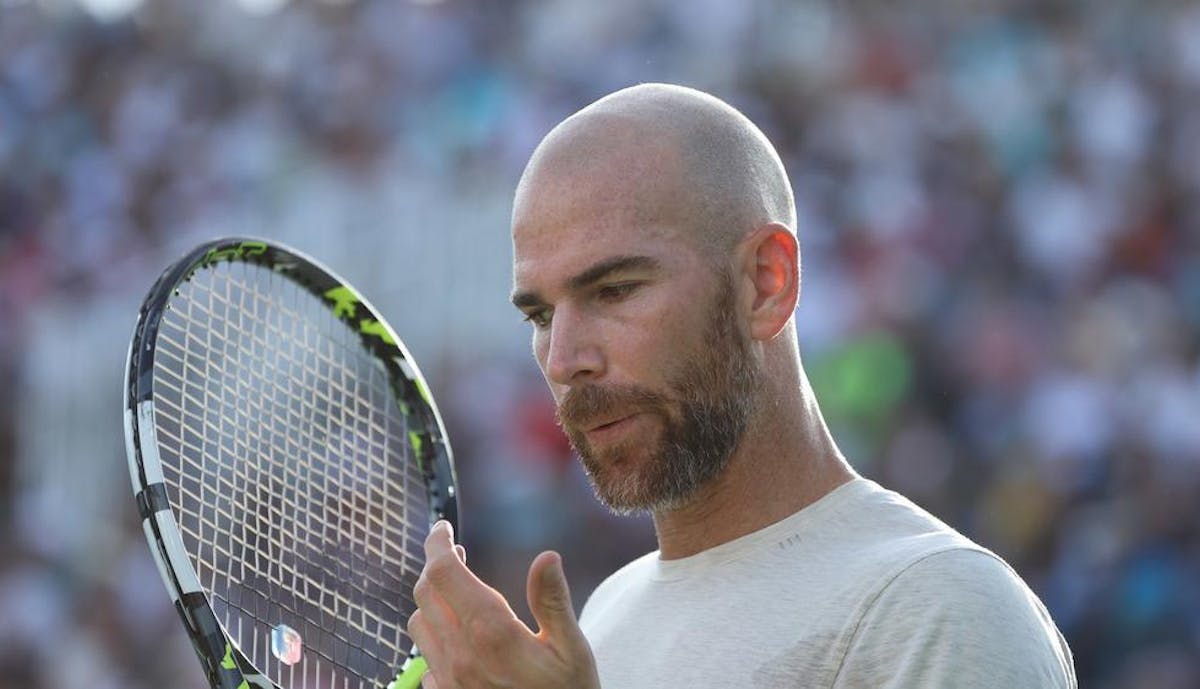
564 223
547 255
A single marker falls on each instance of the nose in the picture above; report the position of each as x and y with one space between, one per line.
569 352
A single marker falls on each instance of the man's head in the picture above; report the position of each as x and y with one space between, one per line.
655 255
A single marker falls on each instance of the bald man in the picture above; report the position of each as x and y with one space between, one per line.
655 256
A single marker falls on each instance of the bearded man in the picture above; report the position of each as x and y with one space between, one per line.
655 255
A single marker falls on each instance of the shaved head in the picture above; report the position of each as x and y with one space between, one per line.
628 259
655 259
656 148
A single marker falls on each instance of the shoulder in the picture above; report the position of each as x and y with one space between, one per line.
952 581
899 519
881 533
956 614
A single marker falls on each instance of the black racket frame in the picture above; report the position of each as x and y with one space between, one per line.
224 664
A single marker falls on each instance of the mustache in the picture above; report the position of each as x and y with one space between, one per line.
583 404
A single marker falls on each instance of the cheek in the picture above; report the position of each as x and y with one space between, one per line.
540 344
656 348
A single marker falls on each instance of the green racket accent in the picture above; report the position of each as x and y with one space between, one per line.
244 249
410 675
228 664
374 327
424 392
344 300
415 440
417 443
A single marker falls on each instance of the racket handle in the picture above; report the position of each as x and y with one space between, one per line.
411 673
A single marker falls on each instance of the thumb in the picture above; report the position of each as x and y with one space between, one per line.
550 598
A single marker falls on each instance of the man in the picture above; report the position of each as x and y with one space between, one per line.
656 257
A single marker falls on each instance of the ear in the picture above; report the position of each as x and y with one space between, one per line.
771 267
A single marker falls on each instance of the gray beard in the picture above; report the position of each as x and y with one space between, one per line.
703 415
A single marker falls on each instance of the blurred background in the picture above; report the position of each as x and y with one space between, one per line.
1000 226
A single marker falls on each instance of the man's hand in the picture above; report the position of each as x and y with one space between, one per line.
473 639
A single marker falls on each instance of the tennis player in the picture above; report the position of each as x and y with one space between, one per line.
655 255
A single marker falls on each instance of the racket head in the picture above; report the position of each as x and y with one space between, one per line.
275 425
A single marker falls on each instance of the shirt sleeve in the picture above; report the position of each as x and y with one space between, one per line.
958 618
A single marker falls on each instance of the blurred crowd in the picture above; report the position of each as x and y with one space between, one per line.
999 220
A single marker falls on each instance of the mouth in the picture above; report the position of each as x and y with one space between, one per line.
610 429
608 423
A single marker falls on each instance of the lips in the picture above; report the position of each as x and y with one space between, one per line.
608 423
594 414
611 429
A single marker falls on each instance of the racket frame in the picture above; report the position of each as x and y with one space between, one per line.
224 663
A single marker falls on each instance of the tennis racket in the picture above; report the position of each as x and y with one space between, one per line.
287 461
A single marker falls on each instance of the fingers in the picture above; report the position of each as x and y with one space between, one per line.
458 616
471 637
440 539
550 598
447 576
425 638
433 608
434 622
558 630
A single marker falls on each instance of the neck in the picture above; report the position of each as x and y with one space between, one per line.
786 461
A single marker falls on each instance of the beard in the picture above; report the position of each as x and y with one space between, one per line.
703 412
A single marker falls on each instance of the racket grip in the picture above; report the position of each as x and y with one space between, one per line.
411 674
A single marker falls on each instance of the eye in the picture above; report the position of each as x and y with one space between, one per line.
618 291
539 318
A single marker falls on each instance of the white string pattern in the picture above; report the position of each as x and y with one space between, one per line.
288 467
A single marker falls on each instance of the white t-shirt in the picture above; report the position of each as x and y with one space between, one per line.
860 589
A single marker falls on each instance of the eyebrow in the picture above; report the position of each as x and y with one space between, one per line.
590 276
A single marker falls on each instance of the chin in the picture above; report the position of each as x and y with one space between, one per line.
630 500
619 481
627 489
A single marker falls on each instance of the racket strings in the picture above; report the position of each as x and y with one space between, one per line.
335 605
288 459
